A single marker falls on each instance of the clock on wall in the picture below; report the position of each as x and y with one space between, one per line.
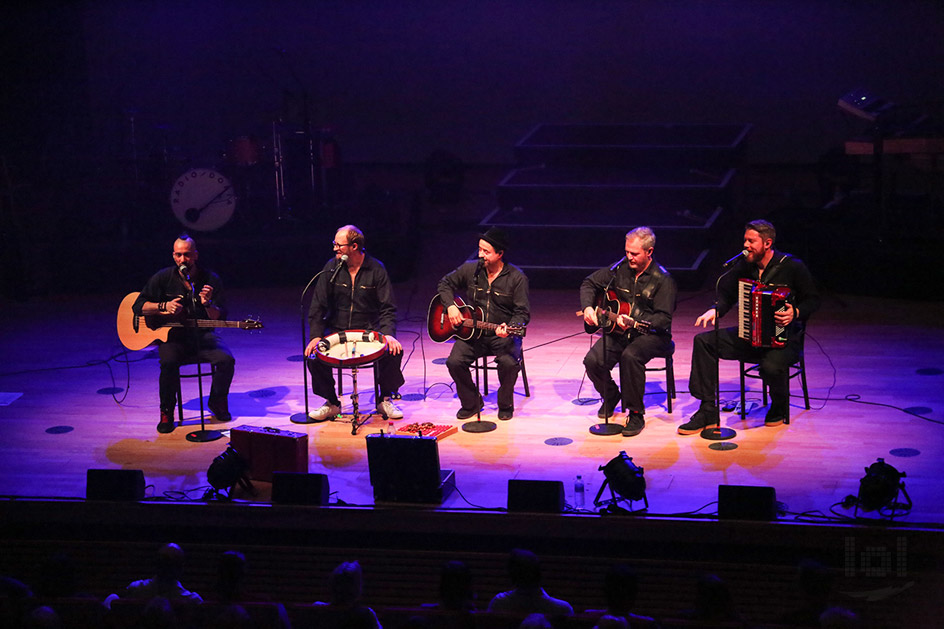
203 199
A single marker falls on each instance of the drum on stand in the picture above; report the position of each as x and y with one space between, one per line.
351 349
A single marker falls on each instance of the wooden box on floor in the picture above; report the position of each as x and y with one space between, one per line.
269 450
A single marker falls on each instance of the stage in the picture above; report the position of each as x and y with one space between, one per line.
74 400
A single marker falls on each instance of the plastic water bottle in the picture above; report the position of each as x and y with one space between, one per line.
578 492
391 429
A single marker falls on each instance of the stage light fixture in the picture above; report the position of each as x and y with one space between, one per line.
880 486
227 470
624 478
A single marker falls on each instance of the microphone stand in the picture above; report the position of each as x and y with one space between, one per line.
203 435
478 425
606 429
303 418
718 434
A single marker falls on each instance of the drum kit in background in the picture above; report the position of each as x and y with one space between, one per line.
258 183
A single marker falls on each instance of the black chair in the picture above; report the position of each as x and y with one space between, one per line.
204 370
669 369
483 365
752 371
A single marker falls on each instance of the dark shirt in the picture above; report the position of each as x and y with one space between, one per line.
651 296
166 285
365 304
783 270
505 300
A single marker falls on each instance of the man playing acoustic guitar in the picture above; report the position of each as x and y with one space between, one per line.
179 292
638 296
499 291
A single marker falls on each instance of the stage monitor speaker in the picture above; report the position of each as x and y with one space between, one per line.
743 502
406 469
300 488
124 485
536 496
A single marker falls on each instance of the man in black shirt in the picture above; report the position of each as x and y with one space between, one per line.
500 290
760 262
641 294
187 291
354 293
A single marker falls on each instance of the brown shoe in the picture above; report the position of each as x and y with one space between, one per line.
167 423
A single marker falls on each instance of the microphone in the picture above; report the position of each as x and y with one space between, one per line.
185 271
734 260
337 267
478 266
618 263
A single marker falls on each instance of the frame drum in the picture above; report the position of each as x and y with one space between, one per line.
351 348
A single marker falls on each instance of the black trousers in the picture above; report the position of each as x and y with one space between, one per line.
632 354
774 363
209 349
507 352
389 376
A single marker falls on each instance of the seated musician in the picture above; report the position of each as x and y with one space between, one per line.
500 290
760 262
354 292
636 289
187 291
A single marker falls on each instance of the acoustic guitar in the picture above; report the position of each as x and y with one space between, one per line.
473 325
609 308
135 336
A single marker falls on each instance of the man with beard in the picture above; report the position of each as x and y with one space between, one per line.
759 262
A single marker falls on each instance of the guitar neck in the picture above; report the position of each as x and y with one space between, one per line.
201 323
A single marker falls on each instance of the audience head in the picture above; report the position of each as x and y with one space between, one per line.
619 587
56 576
535 621
170 562
524 568
42 618
455 585
159 614
347 582
230 573
232 617
838 618
611 622
815 579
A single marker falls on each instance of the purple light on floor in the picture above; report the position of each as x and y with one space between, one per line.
59 430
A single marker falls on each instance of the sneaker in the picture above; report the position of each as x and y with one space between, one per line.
326 412
389 410
608 409
776 414
220 410
505 414
699 421
167 423
635 422
466 413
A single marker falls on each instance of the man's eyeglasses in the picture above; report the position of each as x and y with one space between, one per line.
338 245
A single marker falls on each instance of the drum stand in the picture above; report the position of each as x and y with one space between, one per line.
356 421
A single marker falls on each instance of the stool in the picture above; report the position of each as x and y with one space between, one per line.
481 365
796 369
669 369
199 375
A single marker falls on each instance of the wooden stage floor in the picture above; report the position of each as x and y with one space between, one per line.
72 400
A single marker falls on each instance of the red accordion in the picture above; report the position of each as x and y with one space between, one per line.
757 304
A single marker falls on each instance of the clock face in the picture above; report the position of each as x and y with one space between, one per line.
203 199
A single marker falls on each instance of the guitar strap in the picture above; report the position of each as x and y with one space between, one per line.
643 298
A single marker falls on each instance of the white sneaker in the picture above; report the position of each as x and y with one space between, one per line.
326 412
389 410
